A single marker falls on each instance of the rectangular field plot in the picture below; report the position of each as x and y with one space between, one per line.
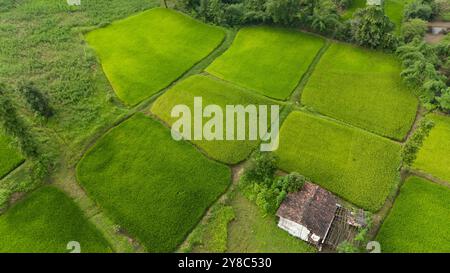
154 187
363 88
419 219
46 221
359 166
218 92
268 60
10 158
145 53
434 155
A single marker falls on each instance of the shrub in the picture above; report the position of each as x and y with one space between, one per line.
418 9
262 167
292 182
371 28
413 145
415 28
347 247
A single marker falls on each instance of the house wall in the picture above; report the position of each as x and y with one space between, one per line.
294 229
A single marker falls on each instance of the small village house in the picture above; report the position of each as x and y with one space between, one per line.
314 215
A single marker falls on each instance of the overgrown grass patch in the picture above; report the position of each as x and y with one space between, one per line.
363 88
212 91
145 53
46 221
10 158
418 221
156 188
251 232
434 155
268 60
359 166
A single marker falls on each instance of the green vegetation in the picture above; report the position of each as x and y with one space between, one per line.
156 188
355 4
412 146
46 221
212 91
394 9
268 60
363 88
250 232
214 235
10 158
145 53
418 222
358 166
433 157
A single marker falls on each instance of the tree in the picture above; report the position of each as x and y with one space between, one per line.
283 11
372 28
418 9
324 21
444 100
415 28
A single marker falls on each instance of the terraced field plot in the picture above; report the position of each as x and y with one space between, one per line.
359 166
418 222
268 60
10 158
45 221
363 88
434 155
156 188
145 53
212 91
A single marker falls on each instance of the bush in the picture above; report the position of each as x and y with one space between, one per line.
292 182
262 167
372 28
418 9
413 145
415 28
347 247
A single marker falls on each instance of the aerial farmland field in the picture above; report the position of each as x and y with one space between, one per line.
218 92
362 88
357 165
9 157
46 221
153 186
432 157
418 219
268 60
142 126
145 53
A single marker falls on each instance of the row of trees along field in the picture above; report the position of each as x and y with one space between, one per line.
426 67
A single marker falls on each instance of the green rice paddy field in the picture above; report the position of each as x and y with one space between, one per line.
156 188
46 221
363 88
10 158
268 60
143 54
433 157
418 221
359 166
212 91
